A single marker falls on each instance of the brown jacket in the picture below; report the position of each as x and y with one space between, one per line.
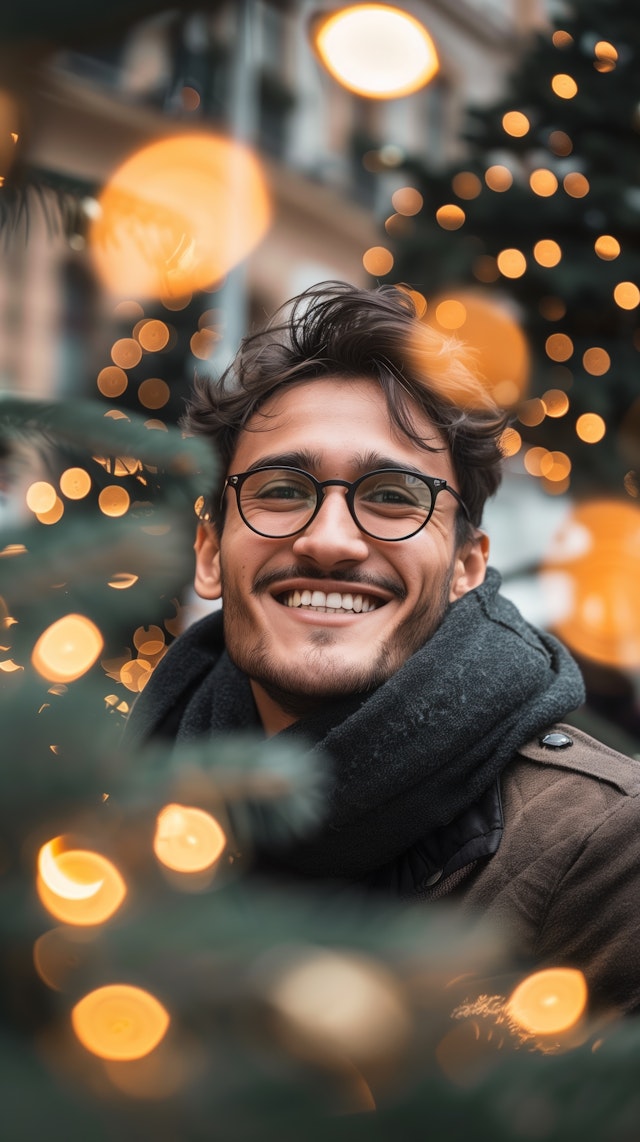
552 854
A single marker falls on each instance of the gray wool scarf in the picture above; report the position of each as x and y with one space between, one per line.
405 759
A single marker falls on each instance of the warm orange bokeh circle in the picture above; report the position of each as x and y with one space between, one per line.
593 569
178 215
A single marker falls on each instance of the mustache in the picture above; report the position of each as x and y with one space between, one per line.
356 579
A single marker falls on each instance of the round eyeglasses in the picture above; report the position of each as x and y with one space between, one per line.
389 503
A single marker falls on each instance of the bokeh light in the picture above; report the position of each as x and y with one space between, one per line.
549 1002
75 483
576 184
543 182
119 1022
203 343
112 381
377 261
376 50
559 347
596 361
450 216
40 497
135 675
126 353
607 247
485 269
532 412
606 56
561 39
466 185
511 263
498 178
154 393
590 427
153 335
556 402
407 200
67 649
595 557
53 514
547 253
114 500
178 215
499 356
78 886
187 839
560 143
515 123
333 1004
564 86
510 442
626 295
534 458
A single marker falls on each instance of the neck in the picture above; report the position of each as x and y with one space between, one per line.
272 715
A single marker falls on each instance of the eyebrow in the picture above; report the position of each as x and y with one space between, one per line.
311 461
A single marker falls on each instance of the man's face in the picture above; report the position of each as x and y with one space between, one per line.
297 656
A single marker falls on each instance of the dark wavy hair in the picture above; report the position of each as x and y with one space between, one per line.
341 331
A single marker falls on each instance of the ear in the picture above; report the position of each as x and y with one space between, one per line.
470 566
207 580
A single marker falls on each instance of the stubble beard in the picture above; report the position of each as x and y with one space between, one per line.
300 696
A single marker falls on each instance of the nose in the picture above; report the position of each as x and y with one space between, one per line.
333 537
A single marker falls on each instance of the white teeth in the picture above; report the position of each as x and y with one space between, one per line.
331 602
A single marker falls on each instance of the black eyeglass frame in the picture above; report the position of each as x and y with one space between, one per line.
434 483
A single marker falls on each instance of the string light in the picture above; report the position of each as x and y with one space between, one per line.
559 347
543 182
120 1022
556 402
187 839
126 353
114 500
377 261
498 178
626 295
549 1002
564 86
576 185
78 886
67 649
547 252
466 185
590 427
516 124
511 263
40 497
75 483
450 216
407 200
596 361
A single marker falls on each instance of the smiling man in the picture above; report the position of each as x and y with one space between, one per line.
359 613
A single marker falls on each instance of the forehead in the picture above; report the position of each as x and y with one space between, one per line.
335 420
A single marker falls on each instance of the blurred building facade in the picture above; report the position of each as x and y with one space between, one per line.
248 68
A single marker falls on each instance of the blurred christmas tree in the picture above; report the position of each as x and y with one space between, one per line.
149 986
546 212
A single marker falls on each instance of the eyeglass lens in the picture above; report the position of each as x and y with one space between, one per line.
388 505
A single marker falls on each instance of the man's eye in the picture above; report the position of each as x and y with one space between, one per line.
283 491
393 496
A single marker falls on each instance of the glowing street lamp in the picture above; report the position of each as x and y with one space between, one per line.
375 50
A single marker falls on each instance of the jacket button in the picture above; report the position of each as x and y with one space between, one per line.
556 740
433 879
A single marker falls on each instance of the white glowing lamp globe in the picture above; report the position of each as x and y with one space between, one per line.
375 50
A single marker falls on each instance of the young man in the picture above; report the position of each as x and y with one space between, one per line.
359 613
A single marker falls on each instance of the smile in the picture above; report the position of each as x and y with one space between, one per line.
333 602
